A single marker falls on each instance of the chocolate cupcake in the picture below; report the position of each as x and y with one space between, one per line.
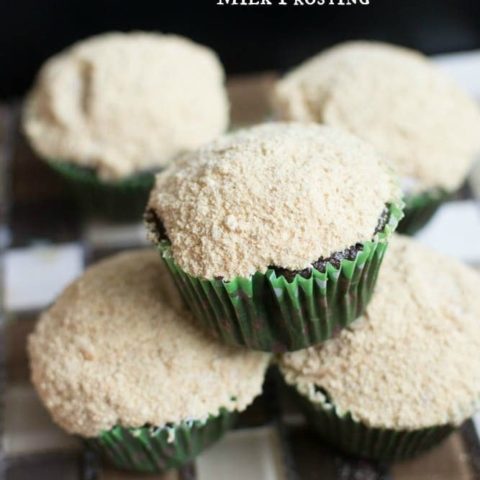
111 110
118 362
274 234
408 372
397 100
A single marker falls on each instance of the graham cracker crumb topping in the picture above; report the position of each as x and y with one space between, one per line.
117 348
394 98
413 360
278 194
126 102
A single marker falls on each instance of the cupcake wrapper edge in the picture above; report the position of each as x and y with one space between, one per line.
270 313
379 444
420 208
153 450
123 200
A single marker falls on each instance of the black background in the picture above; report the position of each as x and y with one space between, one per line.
246 38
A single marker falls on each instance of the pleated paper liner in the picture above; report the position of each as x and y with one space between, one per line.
118 201
270 313
153 450
379 444
420 208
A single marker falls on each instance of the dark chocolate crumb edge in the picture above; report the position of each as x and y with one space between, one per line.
157 231
335 258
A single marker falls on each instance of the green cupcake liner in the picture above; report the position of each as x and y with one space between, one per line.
420 208
153 450
270 313
358 439
120 201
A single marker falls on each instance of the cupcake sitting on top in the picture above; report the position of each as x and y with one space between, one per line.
110 110
261 226
405 374
397 100
118 361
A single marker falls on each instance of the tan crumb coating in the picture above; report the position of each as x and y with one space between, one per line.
126 102
413 360
393 97
276 194
117 349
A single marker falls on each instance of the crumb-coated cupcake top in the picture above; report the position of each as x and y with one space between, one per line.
413 360
118 349
394 98
278 194
125 102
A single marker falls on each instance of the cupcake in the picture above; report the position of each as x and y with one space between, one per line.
397 100
408 372
111 110
117 361
274 234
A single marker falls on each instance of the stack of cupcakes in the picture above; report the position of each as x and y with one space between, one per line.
274 237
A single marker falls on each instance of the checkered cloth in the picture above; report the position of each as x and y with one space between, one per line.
44 245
